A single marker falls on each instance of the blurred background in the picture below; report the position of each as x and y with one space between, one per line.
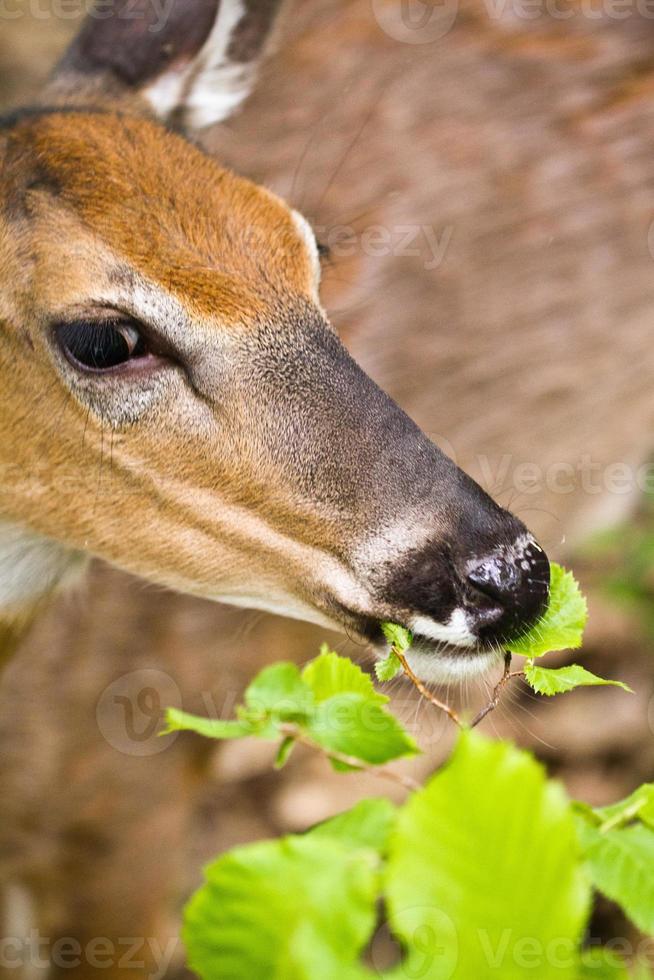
483 173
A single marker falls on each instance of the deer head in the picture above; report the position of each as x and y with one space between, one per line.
173 398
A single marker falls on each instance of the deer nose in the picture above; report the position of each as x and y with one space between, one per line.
507 591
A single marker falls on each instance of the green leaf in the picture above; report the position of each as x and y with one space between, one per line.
638 806
388 668
621 865
284 751
301 908
601 964
397 636
548 681
280 693
368 824
330 674
483 877
180 721
562 625
400 639
353 725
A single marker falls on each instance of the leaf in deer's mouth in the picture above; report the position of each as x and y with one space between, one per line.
400 639
561 627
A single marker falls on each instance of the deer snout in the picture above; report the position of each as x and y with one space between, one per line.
506 591
462 606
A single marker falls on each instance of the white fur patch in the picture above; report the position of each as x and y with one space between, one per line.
440 668
211 87
455 632
31 566
219 93
306 233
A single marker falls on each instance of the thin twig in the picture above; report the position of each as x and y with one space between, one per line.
497 693
441 705
292 731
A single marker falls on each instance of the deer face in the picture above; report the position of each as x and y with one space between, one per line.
181 407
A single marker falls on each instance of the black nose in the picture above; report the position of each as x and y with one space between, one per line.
507 591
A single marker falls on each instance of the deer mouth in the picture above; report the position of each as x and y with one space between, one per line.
434 660
460 612
441 663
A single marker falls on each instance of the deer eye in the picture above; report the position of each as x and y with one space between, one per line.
103 345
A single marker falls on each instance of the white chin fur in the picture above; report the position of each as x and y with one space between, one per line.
439 668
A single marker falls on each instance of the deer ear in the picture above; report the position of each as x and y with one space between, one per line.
193 61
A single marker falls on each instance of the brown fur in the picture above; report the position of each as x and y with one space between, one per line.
223 245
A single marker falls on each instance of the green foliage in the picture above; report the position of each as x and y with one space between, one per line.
180 721
368 824
389 667
486 853
561 627
618 845
351 724
638 806
485 871
548 681
601 964
400 639
563 623
332 704
279 691
475 882
398 636
329 675
299 908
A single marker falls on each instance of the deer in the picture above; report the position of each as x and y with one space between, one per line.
221 441
171 309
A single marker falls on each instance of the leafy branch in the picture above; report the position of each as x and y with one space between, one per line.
467 886
340 759
331 706
561 627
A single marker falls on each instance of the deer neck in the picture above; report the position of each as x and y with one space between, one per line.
32 567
